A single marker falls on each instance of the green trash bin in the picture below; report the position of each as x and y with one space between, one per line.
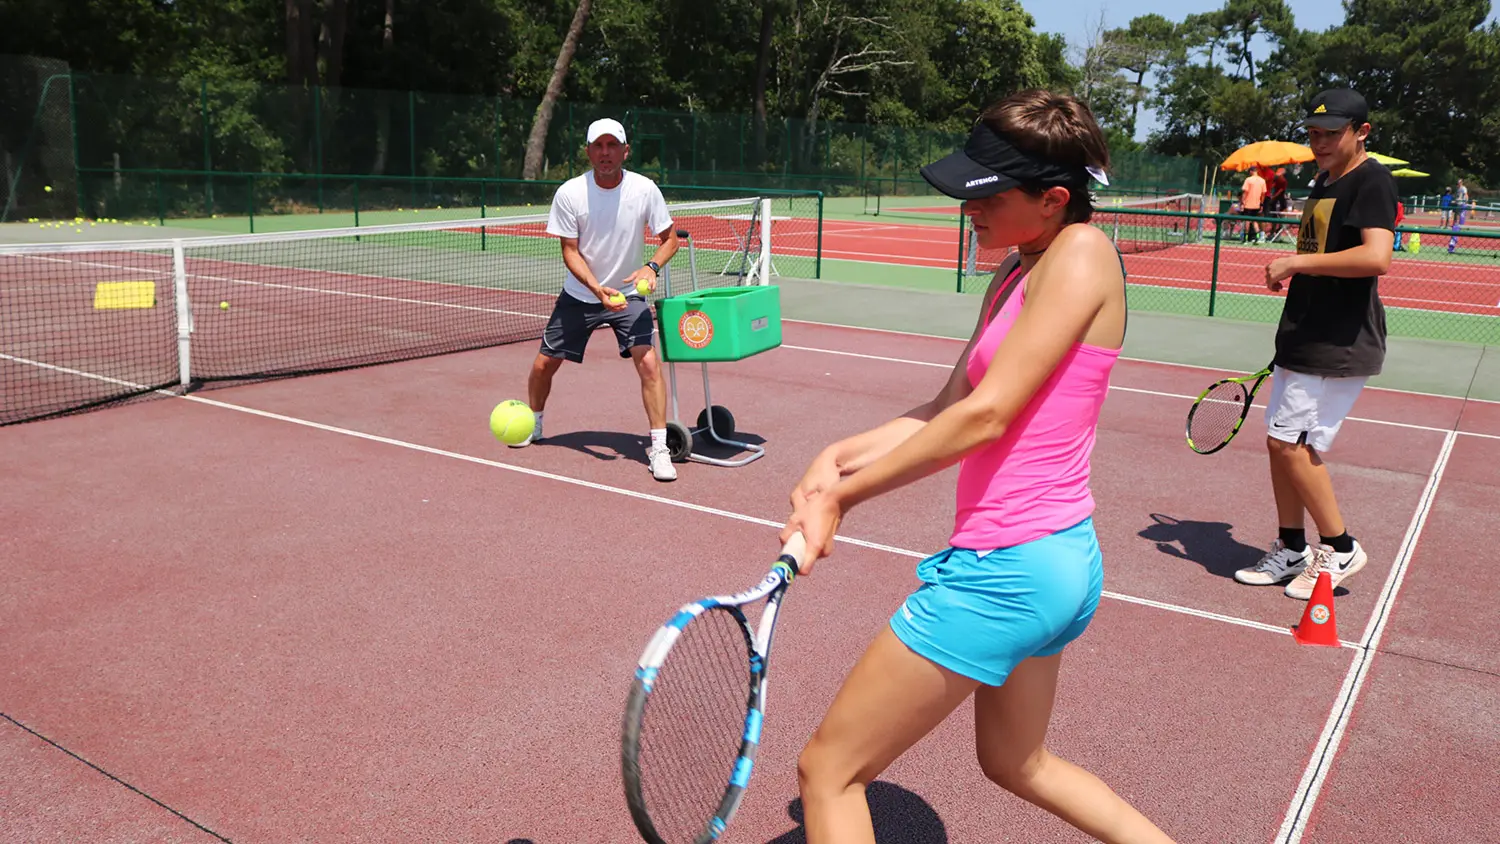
720 324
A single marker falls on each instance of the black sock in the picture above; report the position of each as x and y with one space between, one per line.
1294 539
1342 544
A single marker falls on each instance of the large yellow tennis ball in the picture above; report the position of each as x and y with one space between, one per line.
512 421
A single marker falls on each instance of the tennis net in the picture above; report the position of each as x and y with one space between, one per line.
1132 225
92 324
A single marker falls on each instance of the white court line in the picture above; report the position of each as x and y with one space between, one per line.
699 508
1294 825
90 375
1169 363
1157 393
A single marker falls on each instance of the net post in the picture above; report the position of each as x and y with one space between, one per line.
818 259
73 115
765 241
1213 278
962 226
184 316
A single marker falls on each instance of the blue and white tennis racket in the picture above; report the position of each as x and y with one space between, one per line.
693 717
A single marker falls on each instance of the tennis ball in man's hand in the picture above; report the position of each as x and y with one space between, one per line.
643 287
512 421
617 299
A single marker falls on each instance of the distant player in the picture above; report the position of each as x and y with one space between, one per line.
601 217
1252 200
1330 341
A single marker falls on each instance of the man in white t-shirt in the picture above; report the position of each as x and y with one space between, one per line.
601 218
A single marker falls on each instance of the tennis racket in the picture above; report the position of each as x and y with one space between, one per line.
1216 416
693 716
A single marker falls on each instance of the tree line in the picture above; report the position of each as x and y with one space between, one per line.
1430 68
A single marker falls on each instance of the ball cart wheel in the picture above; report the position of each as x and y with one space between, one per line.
723 421
679 441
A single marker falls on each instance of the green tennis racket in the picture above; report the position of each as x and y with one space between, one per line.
1220 410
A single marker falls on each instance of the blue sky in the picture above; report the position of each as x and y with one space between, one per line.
1074 19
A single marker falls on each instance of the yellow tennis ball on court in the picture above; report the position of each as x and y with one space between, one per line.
643 287
512 421
223 306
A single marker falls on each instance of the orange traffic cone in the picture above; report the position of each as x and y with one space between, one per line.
1318 626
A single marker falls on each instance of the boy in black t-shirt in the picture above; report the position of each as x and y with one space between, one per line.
1330 340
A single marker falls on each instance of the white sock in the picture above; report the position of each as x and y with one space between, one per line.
536 433
658 437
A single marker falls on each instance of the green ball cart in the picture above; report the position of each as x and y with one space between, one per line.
717 324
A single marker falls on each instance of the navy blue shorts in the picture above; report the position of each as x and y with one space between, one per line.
573 321
980 615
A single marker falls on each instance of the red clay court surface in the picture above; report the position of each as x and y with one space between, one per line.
1413 282
334 608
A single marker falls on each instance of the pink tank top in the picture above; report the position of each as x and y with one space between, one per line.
1034 480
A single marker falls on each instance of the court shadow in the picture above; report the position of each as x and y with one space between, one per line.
1209 544
900 817
602 445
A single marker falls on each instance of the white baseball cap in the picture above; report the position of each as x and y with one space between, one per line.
606 126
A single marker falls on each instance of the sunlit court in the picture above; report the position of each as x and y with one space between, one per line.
292 553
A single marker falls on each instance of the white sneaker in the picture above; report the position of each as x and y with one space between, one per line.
661 463
1340 567
536 434
1281 563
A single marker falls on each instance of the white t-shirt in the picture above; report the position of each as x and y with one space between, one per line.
610 226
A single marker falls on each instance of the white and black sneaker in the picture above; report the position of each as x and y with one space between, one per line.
1281 563
1340 567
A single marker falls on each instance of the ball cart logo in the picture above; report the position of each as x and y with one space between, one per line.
1320 614
696 329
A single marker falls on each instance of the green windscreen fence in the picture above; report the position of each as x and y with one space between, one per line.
60 123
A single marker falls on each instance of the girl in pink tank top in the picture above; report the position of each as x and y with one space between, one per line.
1034 480
1023 573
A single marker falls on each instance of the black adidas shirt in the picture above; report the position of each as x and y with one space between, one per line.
1336 326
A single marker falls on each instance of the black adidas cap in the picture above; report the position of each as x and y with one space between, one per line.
1337 108
989 164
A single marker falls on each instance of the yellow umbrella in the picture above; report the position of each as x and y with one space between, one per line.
1267 154
1386 159
1408 172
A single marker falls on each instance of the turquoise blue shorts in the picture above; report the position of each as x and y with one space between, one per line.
980 615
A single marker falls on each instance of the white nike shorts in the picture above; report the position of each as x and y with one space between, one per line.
1309 408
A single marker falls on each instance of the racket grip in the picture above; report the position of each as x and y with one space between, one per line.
795 551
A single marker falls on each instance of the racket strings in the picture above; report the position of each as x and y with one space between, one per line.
693 725
1218 413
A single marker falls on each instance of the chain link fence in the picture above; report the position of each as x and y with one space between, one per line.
63 123
1443 283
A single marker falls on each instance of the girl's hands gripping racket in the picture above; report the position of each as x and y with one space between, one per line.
1218 413
692 721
